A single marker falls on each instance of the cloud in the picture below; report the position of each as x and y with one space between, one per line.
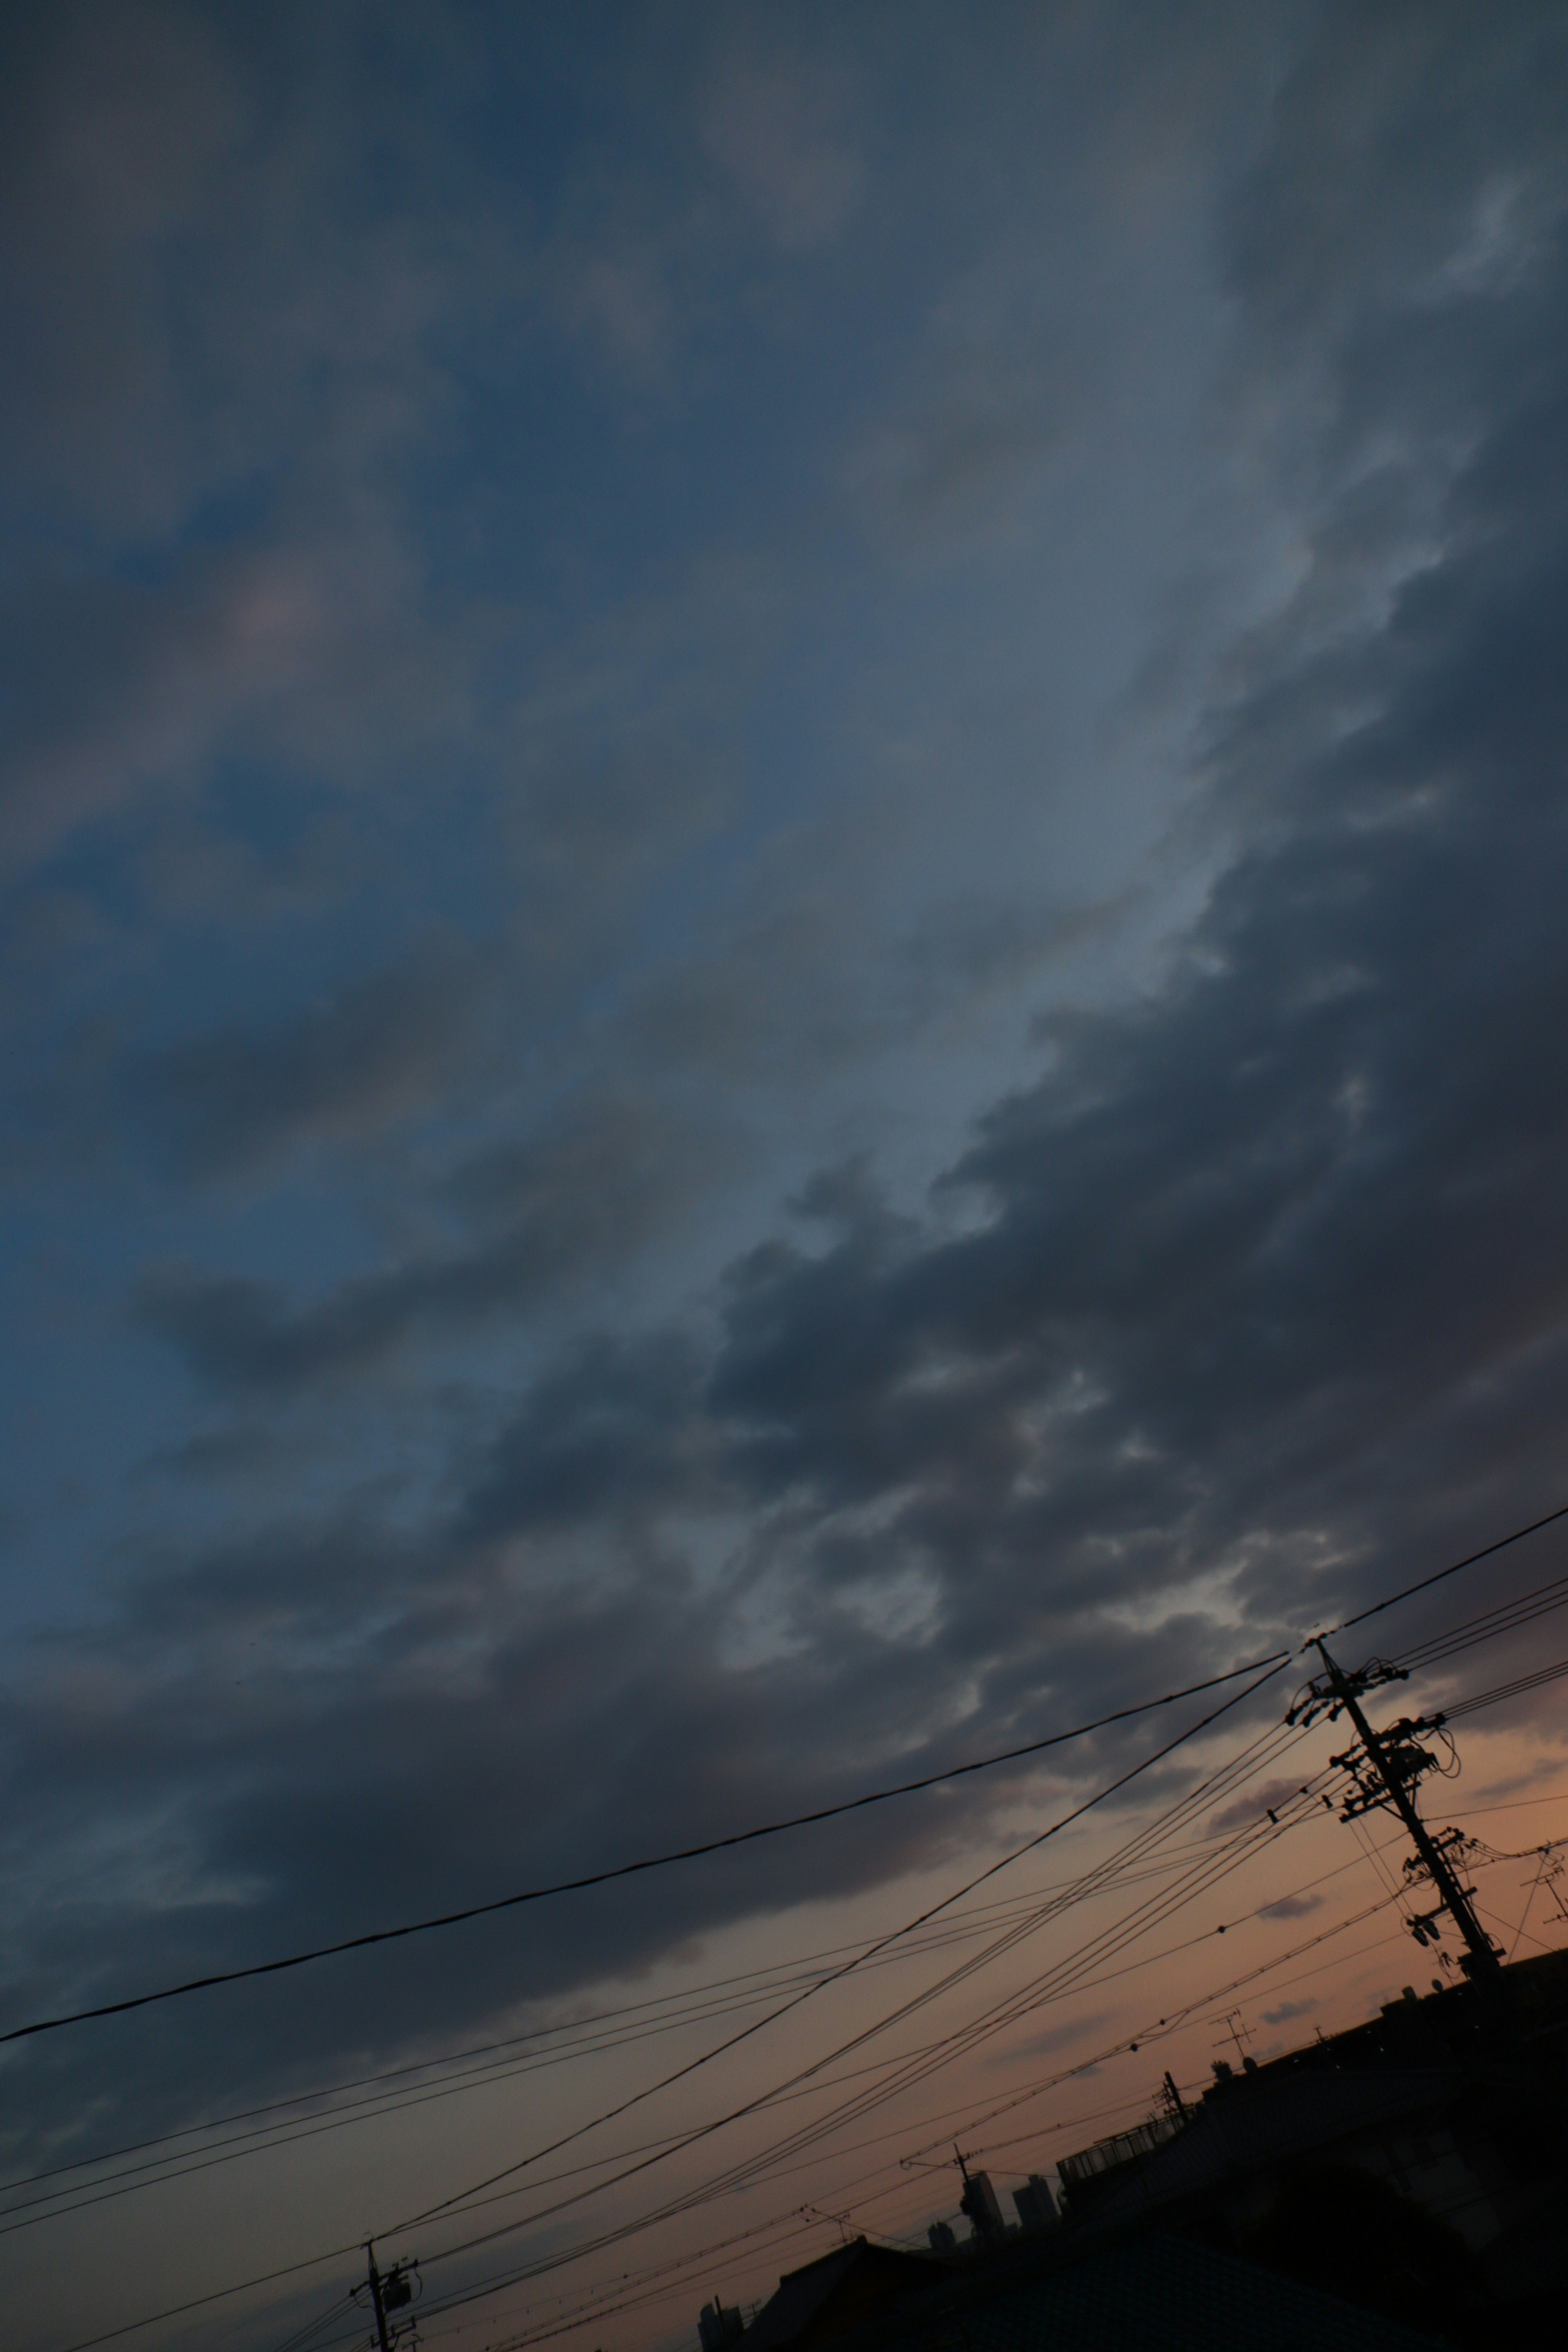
228 361
566 1207
1287 2010
1056 2037
1235 1277
776 123
1250 1807
1289 1906
379 1051
121 123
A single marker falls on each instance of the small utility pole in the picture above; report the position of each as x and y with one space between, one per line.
375 2296
1482 1963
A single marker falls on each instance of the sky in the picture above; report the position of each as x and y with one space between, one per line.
783 844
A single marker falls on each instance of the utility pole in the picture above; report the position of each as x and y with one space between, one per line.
1397 1763
375 2297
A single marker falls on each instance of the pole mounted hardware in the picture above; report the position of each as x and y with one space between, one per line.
1385 1769
389 2291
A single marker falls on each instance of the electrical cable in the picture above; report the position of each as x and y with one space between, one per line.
1048 2130
1392 1599
629 1869
1054 1829
480 2291
1154 1958
267 2136
162 2171
768 2159
1142 2035
1515 1689
1266 1967
1523 1610
771 2160
1479 1700
1189 2012
1529 1902
499 2284
680 2204
1273 1665
218 2294
1063 1976
684 2202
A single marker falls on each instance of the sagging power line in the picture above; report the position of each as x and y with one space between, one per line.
634 1869
1475 1630
901 2079
379 1935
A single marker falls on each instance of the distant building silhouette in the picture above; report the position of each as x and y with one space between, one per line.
1037 2206
981 2204
716 2326
846 2289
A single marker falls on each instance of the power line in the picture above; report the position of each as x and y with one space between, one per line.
1422 1583
1142 2035
769 2159
335 2253
202 2162
631 1869
218 2294
1149 2034
738 2175
1507 1618
734 2174
478 2291
1097 2058
1082 2066
1507 1690
745 1837
267 2137
1208 1788
1063 1821
1479 1700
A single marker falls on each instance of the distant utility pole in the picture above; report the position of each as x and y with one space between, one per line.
1385 1769
388 2294
1552 1875
1175 2105
375 2297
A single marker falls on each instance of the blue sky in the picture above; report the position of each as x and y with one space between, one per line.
782 847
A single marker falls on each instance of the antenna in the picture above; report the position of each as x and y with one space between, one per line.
1236 2031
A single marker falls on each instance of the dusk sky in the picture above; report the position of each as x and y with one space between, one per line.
784 843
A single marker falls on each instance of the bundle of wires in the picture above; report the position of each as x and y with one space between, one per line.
1163 1857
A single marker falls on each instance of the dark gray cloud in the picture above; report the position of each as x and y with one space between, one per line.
569 1207
379 1051
1289 1906
1266 1283
1287 2010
